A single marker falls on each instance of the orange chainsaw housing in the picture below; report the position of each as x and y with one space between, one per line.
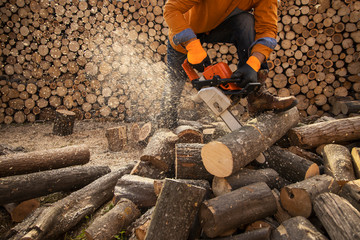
220 69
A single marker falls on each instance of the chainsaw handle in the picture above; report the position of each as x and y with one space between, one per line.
189 70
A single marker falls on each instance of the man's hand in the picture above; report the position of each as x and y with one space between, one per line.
197 55
247 73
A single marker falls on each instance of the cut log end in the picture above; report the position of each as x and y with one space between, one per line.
312 171
296 201
220 186
217 159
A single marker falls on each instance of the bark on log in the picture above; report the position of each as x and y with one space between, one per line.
33 185
355 153
159 184
306 154
242 206
297 198
233 151
281 214
188 164
351 192
336 131
160 149
19 211
338 216
67 212
139 228
338 163
112 222
64 122
146 169
140 190
116 138
258 234
22 163
221 185
297 228
188 134
175 210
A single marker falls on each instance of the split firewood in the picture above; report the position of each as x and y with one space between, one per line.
119 217
297 228
64 122
42 183
139 227
235 150
336 131
188 163
338 216
21 163
19 211
188 134
57 219
175 210
306 154
338 163
140 190
238 207
351 192
297 198
160 150
146 169
222 185
116 138
290 166
355 153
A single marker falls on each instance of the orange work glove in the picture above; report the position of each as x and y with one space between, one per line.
197 55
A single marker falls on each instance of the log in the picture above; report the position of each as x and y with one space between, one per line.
175 211
223 185
139 227
188 134
42 183
338 216
338 163
146 169
118 218
22 163
188 164
350 106
241 206
290 166
297 228
281 214
306 154
335 131
159 184
351 192
64 122
235 150
160 150
145 133
139 190
19 211
116 138
355 153
258 234
297 198
57 219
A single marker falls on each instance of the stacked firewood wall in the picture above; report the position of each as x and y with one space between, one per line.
105 59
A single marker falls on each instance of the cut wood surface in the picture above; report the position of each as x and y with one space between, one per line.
241 206
139 227
19 211
351 192
281 214
22 163
33 185
188 134
297 198
338 216
235 150
116 138
336 131
118 218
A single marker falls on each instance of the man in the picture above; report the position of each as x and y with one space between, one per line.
192 22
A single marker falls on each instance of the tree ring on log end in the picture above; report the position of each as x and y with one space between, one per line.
217 159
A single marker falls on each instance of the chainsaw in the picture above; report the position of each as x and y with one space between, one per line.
216 87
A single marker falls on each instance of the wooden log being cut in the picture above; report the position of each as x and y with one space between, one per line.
175 211
297 199
118 218
338 163
19 211
21 163
222 185
241 206
335 131
146 169
306 154
160 150
64 214
188 162
290 166
64 122
355 153
338 216
235 150
140 226
33 185
351 192
297 228
140 190
116 138
145 133
188 134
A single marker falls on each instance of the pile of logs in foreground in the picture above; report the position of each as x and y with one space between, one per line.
105 59
272 179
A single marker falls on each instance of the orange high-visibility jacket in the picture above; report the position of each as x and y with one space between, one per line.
189 17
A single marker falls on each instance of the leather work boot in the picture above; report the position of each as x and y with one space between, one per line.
260 100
